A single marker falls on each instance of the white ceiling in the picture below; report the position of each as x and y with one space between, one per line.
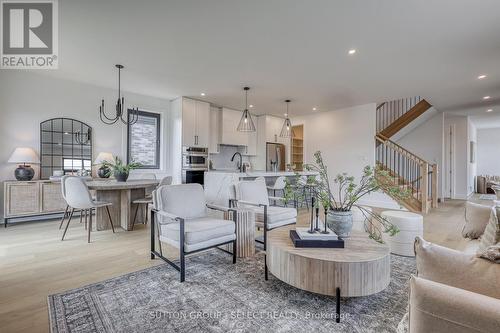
287 49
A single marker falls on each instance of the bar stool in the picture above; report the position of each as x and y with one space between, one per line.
279 185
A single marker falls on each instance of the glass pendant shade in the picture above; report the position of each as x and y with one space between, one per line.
246 122
286 129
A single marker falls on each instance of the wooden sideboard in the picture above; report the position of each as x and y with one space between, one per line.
32 198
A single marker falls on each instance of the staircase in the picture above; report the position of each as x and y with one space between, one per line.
405 169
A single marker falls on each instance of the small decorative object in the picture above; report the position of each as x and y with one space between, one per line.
121 170
119 107
286 130
24 157
338 214
104 171
246 123
334 242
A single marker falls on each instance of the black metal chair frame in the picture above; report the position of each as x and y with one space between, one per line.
181 267
234 202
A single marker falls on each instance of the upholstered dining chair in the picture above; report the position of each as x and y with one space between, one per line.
181 215
78 197
253 195
148 200
279 186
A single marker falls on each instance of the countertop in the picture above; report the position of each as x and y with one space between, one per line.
261 173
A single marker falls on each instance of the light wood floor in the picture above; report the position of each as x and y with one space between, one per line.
35 263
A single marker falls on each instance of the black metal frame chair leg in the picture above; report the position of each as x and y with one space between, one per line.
337 301
110 220
181 250
67 224
265 244
135 215
64 217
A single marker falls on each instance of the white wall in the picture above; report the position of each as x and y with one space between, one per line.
346 140
427 142
28 98
488 151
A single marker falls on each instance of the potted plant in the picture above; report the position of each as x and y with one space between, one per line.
338 200
121 170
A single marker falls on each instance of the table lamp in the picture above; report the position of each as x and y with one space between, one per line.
103 171
24 157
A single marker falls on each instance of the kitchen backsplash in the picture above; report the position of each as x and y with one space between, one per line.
222 160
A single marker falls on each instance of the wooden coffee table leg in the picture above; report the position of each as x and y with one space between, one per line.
337 300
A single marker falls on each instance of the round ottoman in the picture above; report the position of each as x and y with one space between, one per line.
358 219
410 225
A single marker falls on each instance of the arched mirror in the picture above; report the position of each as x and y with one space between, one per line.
65 147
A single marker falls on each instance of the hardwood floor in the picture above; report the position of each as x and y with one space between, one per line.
35 263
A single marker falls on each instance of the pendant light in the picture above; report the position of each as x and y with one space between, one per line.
119 108
286 130
246 123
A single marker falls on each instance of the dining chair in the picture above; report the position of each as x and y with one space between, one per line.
182 219
148 200
253 195
78 197
83 213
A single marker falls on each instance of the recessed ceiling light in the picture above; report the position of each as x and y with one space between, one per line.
250 106
202 94
489 110
314 108
352 51
482 76
486 97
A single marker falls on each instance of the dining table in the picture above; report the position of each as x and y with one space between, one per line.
121 195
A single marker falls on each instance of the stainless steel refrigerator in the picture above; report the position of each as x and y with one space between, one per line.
275 157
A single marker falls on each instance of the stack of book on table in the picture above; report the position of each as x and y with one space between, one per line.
303 237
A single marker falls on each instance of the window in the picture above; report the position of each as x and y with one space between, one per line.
143 140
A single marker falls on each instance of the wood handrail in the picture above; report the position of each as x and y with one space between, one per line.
385 141
381 105
406 118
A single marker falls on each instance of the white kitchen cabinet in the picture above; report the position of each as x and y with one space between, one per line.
251 146
215 130
230 134
195 123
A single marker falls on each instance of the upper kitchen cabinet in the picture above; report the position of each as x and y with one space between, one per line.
195 123
215 130
230 135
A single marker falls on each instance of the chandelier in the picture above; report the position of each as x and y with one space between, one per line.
130 119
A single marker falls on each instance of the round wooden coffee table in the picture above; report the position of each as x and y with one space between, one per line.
361 268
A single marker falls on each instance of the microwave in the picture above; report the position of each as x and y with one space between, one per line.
194 158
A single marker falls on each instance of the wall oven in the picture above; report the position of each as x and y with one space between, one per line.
194 164
194 158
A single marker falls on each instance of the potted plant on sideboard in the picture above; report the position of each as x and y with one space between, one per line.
339 200
121 170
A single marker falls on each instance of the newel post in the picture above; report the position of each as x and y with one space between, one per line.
424 187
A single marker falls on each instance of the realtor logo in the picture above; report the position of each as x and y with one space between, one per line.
29 36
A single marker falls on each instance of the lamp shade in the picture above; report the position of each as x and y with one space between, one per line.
24 155
104 157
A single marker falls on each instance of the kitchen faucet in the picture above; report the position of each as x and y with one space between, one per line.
239 165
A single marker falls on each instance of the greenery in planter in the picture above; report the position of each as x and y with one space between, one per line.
118 167
348 192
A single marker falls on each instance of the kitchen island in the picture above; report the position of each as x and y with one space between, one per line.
219 183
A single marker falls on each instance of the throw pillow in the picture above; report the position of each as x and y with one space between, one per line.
457 269
492 253
491 234
476 220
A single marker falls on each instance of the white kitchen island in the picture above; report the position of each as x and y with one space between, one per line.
219 183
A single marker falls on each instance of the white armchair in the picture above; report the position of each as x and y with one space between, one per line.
182 219
253 195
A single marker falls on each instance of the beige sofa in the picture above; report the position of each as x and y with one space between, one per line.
453 291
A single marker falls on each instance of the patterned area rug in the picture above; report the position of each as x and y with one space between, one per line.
221 297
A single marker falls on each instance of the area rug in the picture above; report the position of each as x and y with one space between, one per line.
218 296
487 197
